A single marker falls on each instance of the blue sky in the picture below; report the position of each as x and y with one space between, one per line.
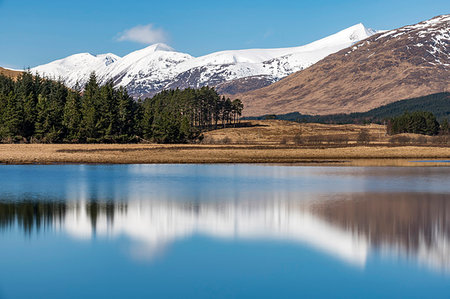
36 32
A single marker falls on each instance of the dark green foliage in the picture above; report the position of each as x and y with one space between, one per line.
445 128
12 117
438 104
72 116
33 109
89 111
177 116
418 122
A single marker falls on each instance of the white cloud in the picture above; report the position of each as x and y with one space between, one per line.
144 34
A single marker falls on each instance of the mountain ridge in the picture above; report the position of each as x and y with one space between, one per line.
147 71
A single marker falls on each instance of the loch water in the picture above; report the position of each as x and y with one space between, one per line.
224 231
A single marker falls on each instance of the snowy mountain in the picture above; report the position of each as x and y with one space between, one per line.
407 62
157 67
77 68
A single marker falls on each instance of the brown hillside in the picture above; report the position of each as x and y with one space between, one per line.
9 73
403 63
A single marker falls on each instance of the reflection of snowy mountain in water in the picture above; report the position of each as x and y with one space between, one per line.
344 228
157 205
157 224
403 224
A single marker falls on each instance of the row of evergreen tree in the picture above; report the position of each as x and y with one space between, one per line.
418 122
35 109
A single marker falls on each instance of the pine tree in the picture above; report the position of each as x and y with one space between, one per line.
88 110
47 111
185 130
29 116
13 117
72 116
42 124
445 128
125 113
106 107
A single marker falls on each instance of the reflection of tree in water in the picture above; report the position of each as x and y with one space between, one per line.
407 220
95 209
385 218
31 215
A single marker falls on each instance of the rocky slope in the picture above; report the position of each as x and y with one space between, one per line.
403 63
159 67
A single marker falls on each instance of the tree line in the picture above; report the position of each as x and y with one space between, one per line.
35 109
418 122
438 104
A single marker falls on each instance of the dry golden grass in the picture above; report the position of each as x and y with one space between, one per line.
137 154
275 132
258 143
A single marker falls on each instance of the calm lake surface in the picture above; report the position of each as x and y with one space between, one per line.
224 231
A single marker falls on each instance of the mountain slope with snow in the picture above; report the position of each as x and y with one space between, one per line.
150 70
408 62
76 68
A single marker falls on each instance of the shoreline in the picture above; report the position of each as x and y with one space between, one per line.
372 155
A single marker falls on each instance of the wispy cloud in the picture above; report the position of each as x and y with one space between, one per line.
144 34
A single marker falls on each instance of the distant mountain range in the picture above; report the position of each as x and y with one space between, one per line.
354 70
150 70
408 62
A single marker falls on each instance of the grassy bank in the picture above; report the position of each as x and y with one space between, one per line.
276 142
137 154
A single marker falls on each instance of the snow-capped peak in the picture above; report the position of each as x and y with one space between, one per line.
159 47
357 32
159 66
75 69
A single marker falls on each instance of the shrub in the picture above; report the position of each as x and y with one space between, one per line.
338 139
313 139
226 140
421 140
298 139
400 139
363 137
443 139
208 140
